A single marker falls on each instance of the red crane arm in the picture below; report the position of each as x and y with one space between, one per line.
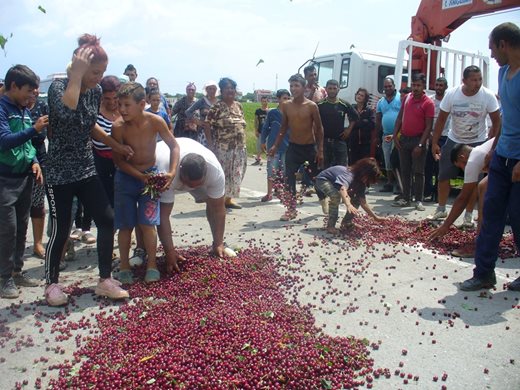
435 19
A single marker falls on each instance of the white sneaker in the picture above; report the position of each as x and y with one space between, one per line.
55 296
438 215
325 205
138 258
419 206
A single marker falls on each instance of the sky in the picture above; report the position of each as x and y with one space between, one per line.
200 40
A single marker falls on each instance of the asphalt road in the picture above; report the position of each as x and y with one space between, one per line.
402 298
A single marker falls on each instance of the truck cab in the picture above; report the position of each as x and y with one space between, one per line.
355 69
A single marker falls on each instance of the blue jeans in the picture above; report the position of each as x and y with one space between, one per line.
502 197
335 152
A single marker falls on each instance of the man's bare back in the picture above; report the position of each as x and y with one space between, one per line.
141 136
300 119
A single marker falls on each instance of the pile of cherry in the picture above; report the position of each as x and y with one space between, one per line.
219 324
400 231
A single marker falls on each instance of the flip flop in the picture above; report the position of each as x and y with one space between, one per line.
152 275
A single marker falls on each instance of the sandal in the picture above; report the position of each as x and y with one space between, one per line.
152 275
289 215
125 276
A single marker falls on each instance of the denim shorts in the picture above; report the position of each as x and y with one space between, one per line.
276 165
131 207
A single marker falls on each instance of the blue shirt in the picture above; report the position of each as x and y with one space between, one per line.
389 112
509 91
271 128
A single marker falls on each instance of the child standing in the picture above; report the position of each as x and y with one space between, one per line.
348 185
139 130
270 130
18 165
154 98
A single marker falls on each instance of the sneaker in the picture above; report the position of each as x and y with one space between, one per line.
467 224
401 203
438 215
76 234
55 296
325 205
387 188
419 206
70 253
88 238
111 289
21 279
266 198
138 258
464 252
8 288
514 285
233 205
289 215
475 283
310 192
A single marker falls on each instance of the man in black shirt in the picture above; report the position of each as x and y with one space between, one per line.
260 115
335 128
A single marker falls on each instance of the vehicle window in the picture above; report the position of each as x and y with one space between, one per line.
325 71
345 71
382 72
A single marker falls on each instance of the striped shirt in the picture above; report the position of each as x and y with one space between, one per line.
99 147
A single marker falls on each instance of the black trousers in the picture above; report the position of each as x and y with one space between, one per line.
91 194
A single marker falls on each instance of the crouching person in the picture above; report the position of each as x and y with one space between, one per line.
347 185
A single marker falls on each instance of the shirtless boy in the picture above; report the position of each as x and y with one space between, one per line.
301 115
139 130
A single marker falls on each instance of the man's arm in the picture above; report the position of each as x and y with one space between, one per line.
257 130
397 126
216 215
496 122
437 132
458 207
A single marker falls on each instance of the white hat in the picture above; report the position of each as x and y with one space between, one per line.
210 83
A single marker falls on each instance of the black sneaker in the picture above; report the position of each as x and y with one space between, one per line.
514 285
387 188
475 283
8 288
21 279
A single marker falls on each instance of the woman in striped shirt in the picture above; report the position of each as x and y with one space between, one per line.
108 114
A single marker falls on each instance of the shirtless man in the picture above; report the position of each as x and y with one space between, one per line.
301 115
139 130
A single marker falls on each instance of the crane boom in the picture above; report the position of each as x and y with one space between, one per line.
436 19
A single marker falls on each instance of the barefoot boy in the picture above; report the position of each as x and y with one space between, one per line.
301 115
138 130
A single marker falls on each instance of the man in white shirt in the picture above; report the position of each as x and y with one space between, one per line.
200 174
468 104
472 162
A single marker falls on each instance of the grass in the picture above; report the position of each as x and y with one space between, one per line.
249 113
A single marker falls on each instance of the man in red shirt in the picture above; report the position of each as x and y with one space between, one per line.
414 123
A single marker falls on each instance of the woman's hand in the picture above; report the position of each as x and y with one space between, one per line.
81 62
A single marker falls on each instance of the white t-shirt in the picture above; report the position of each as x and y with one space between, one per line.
475 162
447 125
214 182
468 114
